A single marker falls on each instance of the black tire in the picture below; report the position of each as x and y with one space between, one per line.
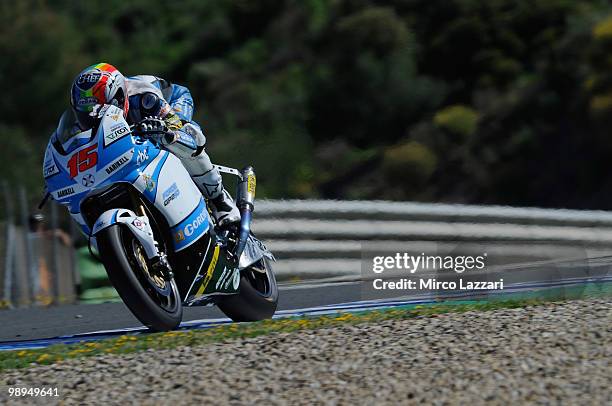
140 298
257 298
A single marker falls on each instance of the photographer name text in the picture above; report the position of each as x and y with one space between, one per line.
433 284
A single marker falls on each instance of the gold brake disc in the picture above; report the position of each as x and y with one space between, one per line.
142 261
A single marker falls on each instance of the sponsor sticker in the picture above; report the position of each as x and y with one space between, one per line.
143 156
87 101
117 164
116 126
251 184
192 227
69 191
50 170
170 194
87 80
221 278
149 182
88 180
236 279
195 224
211 270
115 135
229 275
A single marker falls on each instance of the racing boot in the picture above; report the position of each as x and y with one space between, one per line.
223 208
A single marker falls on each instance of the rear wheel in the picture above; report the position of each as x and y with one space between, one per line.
258 295
149 296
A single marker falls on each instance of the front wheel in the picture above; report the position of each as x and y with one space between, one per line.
152 299
257 297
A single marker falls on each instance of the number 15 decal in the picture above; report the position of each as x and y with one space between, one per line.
83 160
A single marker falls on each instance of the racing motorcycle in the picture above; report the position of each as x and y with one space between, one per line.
151 225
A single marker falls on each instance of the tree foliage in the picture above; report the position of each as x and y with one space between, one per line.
499 101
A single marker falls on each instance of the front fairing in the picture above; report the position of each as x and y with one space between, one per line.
111 155
115 155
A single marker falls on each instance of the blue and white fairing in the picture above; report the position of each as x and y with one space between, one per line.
89 164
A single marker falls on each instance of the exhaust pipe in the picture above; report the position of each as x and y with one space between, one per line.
245 200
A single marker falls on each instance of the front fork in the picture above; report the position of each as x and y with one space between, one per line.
160 261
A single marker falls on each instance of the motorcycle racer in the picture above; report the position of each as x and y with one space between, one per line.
164 112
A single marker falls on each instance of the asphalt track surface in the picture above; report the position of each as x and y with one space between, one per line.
40 323
34 323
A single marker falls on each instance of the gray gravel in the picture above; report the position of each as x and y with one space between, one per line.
553 354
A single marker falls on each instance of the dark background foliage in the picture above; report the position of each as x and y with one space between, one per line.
499 101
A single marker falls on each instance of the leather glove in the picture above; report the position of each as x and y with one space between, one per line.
156 129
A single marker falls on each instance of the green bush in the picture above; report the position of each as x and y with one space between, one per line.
458 119
603 29
411 163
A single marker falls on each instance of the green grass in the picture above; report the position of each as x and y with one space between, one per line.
133 343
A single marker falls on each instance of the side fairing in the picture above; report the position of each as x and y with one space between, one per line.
166 183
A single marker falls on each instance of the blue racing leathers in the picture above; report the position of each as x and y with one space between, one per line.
141 88
153 96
